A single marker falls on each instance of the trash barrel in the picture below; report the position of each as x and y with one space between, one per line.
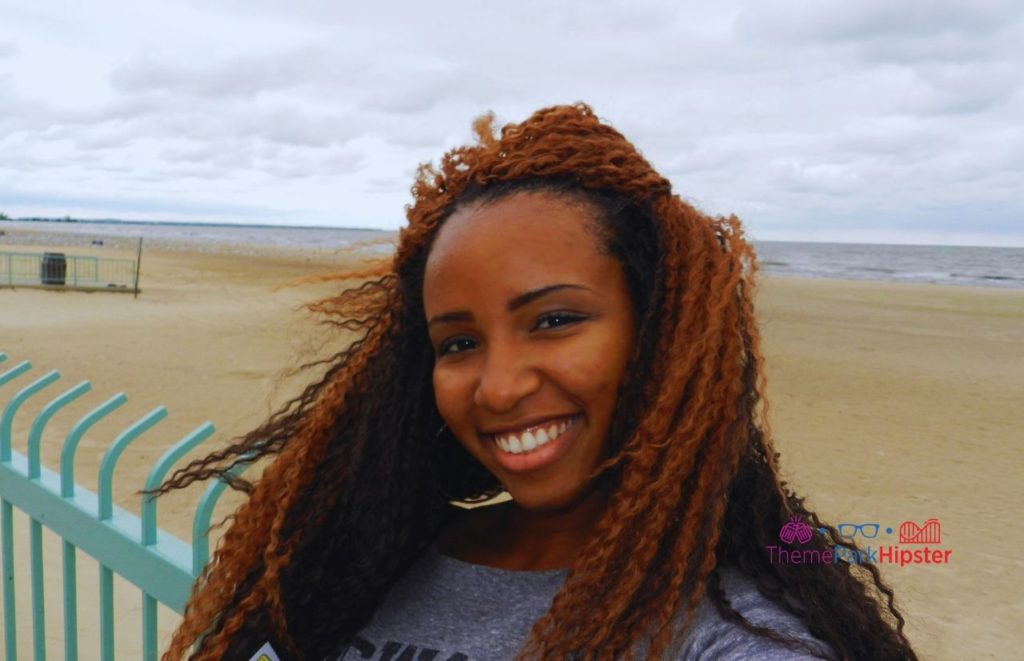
54 268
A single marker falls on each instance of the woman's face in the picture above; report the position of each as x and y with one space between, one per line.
531 328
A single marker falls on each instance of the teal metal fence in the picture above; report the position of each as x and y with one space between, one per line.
160 565
60 270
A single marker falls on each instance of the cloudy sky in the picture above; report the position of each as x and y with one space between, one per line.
877 120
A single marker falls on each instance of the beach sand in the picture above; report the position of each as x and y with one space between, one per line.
888 403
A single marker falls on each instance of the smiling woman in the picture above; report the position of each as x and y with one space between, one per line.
559 327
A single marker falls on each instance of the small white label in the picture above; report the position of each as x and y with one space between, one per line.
265 653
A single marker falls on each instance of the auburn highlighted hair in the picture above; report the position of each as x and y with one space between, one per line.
360 482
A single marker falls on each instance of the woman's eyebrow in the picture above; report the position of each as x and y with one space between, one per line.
514 303
521 300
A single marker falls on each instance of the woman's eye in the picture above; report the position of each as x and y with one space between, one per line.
445 347
557 319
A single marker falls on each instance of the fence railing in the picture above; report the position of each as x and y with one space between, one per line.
56 269
160 565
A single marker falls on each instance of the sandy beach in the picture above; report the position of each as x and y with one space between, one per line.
888 402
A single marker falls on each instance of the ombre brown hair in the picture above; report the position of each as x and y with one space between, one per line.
361 481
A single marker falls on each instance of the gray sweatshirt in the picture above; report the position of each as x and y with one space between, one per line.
445 609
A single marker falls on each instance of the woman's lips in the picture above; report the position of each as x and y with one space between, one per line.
541 456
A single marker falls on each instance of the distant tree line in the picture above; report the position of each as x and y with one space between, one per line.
39 219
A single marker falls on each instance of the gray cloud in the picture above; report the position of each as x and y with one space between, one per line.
874 20
245 76
412 91
343 162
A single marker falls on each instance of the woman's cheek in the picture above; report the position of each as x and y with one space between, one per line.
588 368
453 395
443 393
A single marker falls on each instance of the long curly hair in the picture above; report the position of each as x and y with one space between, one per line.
361 480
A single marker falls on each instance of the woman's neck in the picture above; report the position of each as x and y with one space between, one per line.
508 536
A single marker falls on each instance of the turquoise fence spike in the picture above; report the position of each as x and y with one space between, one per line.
149 519
148 628
105 511
67 453
201 520
35 434
3 356
159 471
35 537
12 407
36 530
70 576
15 371
106 613
7 514
68 491
105 487
10 619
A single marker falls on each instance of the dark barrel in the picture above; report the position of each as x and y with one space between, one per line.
54 268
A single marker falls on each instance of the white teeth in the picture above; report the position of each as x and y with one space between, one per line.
529 441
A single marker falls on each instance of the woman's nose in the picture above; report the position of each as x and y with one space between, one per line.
507 376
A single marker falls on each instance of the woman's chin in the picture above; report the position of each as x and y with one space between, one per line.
555 498
539 502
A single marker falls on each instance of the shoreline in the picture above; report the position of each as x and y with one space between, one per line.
1002 269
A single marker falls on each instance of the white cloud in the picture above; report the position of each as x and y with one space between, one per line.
874 115
247 76
874 21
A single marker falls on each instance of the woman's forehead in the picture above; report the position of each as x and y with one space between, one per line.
526 238
523 221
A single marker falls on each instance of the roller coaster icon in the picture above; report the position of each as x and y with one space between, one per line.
929 533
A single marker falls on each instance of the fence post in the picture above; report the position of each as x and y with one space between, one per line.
149 521
105 511
7 511
67 491
138 267
201 520
10 618
35 527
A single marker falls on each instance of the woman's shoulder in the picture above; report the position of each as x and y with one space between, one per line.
713 637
